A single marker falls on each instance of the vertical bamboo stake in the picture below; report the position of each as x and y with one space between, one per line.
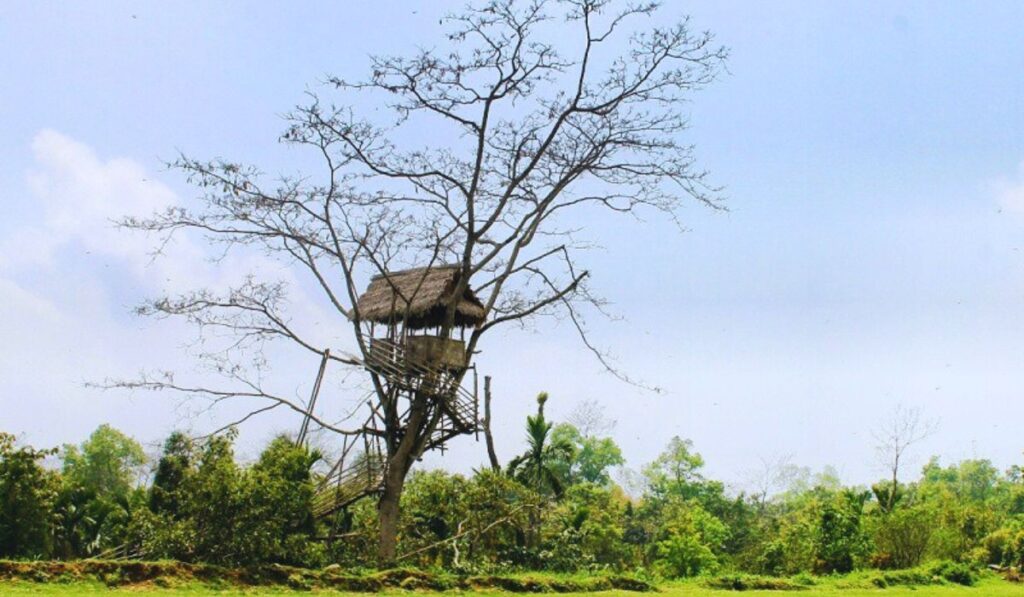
476 406
487 425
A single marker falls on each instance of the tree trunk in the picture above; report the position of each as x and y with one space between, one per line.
895 483
401 455
388 509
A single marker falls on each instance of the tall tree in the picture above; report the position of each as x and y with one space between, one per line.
677 470
27 495
107 464
538 111
892 440
100 482
173 468
591 458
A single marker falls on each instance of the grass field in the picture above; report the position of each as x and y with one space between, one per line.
987 588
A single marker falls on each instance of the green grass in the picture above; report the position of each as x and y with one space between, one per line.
168 578
989 587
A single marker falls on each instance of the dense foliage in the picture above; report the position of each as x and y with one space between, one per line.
27 496
556 508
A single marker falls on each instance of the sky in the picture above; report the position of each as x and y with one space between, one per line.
872 256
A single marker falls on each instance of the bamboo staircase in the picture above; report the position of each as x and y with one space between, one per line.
344 485
358 475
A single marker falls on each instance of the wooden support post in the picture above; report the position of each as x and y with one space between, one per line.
301 439
487 425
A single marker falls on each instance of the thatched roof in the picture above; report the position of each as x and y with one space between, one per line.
417 297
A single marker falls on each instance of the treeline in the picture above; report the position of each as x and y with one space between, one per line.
555 507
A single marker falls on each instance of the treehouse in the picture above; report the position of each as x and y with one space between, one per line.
414 355
417 299
412 306
415 349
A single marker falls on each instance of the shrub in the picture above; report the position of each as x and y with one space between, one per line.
1002 547
684 556
690 537
840 540
937 573
220 513
902 537
955 572
751 582
585 530
908 578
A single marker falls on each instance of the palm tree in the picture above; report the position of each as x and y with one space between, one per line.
536 467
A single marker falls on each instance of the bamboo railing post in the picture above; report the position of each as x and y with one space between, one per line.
476 406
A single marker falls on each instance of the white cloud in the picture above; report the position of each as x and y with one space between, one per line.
75 200
68 279
1009 192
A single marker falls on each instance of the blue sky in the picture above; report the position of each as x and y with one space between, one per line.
871 257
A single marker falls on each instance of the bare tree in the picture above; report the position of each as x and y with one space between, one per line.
589 418
774 476
480 156
893 438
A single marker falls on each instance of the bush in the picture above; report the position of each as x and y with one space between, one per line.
955 572
690 538
902 537
565 552
1002 547
840 540
681 556
907 578
585 531
937 573
751 582
220 513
